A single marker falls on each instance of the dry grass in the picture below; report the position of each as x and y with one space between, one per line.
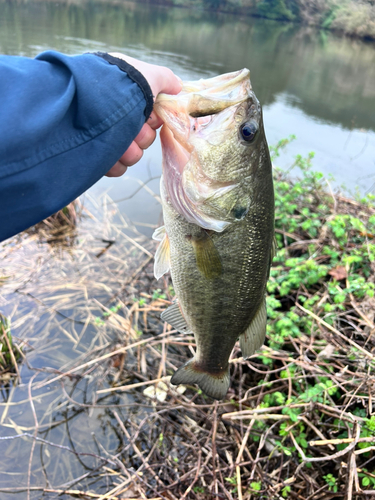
94 416
61 226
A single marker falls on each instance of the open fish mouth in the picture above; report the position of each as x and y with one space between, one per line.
204 186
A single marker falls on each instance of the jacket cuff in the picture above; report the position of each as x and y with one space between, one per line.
134 75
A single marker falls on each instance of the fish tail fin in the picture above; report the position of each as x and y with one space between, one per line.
213 385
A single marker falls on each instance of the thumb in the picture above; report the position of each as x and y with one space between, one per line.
168 82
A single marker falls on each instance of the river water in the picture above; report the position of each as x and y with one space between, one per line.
315 85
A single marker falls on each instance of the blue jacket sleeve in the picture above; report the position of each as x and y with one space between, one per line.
64 122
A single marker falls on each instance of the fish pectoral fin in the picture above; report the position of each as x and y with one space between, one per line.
159 233
207 257
162 256
215 386
253 337
174 317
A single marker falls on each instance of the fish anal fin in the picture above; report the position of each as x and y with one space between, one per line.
213 385
174 317
253 337
162 257
207 257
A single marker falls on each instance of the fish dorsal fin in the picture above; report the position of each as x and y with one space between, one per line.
159 233
207 257
162 256
253 337
173 316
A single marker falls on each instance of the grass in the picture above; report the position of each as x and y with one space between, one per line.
61 226
298 421
10 352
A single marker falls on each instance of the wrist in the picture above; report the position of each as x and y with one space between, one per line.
135 75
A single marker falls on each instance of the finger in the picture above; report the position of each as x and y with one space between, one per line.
169 83
154 121
145 137
117 170
132 155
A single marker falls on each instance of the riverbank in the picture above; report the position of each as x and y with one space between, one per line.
298 418
349 17
353 18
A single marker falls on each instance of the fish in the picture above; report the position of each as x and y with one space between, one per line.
218 235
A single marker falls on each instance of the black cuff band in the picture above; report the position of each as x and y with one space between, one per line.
135 75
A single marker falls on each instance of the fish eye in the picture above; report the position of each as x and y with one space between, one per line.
248 130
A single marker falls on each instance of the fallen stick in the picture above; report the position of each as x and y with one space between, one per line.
324 442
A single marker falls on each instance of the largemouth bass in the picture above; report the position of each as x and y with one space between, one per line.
218 234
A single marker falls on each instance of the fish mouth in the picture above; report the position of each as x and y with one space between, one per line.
203 97
192 193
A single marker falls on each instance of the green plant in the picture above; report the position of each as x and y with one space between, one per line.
367 479
367 431
10 353
198 489
98 321
285 491
112 310
158 294
332 482
232 481
256 486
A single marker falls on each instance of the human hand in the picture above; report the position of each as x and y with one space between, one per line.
160 79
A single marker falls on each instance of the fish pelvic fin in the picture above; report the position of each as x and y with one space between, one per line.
162 255
213 385
253 337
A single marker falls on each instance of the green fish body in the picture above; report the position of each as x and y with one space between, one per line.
218 234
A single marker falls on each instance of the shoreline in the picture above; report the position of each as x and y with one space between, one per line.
351 18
